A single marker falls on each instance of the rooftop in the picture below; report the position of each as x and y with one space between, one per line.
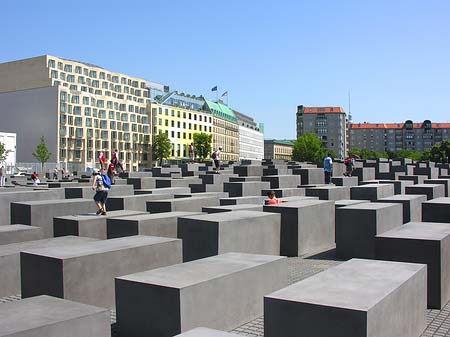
396 125
325 109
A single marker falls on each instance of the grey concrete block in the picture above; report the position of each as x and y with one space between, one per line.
345 181
230 208
436 210
415 178
6 198
430 172
85 273
45 316
240 231
193 204
329 192
206 332
240 179
136 202
87 225
248 170
307 226
156 224
142 183
170 190
421 242
202 194
20 233
364 173
399 185
257 200
177 182
41 213
357 226
372 192
359 298
445 182
247 188
412 205
310 175
432 191
348 202
87 193
167 301
10 260
285 192
282 181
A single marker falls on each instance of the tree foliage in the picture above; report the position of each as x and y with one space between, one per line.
366 153
308 148
162 147
202 144
3 152
42 154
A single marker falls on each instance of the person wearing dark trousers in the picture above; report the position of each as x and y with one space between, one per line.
328 168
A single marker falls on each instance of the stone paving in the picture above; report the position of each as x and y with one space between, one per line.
438 321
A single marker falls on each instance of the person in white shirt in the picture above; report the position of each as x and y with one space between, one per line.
216 158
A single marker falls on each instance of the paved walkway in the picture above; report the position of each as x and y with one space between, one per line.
438 321
300 268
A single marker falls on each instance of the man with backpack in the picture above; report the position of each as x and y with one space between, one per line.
215 156
101 185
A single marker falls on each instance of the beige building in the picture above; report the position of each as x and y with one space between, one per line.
225 130
278 149
80 108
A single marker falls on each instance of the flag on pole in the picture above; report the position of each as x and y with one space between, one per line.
224 94
214 88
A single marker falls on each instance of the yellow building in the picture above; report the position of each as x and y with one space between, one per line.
278 149
81 108
180 116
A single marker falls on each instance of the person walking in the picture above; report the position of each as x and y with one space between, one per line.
216 158
101 159
2 178
328 168
111 172
101 192
191 153
55 173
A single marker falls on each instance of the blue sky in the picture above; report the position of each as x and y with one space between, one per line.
270 56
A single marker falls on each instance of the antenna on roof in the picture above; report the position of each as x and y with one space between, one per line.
349 107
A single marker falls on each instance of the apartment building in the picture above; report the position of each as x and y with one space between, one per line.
278 149
180 116
251 138
383 137
80 108
328 123
225 130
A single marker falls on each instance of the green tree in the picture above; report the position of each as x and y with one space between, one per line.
42 154
3 153
411 154
308 148
162 147
202 144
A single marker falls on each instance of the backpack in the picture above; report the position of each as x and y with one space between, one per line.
106 181
347 161
214 155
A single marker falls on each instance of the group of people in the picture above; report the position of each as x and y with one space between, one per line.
349 163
